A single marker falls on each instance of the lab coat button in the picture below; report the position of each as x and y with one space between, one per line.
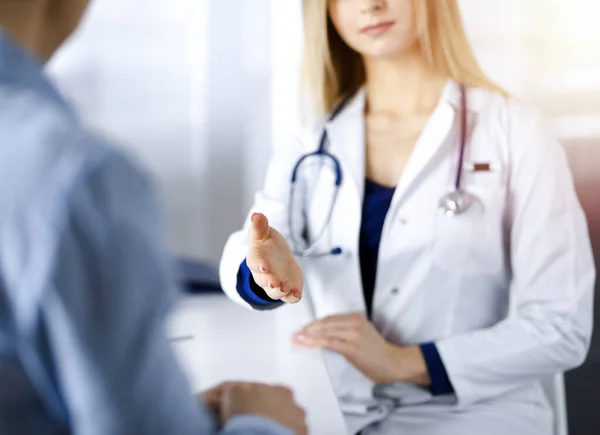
395 291
402 220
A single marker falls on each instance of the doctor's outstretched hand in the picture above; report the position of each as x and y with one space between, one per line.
272 263
357 339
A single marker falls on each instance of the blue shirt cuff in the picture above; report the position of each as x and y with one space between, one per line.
251 292
254 425
440 382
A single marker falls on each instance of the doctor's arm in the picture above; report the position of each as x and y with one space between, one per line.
257 268
104 319
549 326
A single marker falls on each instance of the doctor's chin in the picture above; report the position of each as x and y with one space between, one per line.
301 217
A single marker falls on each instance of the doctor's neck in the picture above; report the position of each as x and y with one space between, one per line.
403 85
38 26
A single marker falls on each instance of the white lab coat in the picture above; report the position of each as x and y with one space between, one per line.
504 290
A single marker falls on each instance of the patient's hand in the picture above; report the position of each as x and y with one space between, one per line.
272 402
212 398
272 263
238 398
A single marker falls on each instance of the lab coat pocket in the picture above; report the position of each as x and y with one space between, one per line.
471 243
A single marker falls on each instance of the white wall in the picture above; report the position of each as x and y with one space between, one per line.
545 51
198 89
239 115
183 84
286 46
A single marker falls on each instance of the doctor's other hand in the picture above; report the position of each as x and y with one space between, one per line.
274 403
272 263
357 339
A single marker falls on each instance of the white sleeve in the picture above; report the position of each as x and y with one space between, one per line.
273 202
549 327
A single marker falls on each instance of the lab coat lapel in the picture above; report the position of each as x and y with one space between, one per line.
346 133
431 140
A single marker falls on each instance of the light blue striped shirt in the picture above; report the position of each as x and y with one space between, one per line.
85 282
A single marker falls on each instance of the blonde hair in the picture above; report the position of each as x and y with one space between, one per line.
332 71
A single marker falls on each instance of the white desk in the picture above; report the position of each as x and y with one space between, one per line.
221 341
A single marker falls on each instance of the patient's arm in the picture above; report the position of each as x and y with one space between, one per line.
103 317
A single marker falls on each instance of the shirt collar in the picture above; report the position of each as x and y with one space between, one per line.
21 68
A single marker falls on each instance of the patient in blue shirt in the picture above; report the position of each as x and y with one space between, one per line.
85 283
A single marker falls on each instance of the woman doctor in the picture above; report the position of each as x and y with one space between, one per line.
451 267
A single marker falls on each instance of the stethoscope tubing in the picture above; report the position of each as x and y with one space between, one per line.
322 152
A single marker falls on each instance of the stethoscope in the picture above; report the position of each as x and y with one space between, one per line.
452 204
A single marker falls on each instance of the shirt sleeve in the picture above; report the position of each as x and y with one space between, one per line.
103 320
254 425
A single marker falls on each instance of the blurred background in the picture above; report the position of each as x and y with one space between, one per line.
201 90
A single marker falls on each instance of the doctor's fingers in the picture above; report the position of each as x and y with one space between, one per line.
293 297
352 321
283 292
277 289
342 331
271 285
333 343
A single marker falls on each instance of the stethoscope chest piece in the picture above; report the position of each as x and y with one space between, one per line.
455 203
458 201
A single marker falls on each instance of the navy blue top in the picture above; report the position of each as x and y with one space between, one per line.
377 201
